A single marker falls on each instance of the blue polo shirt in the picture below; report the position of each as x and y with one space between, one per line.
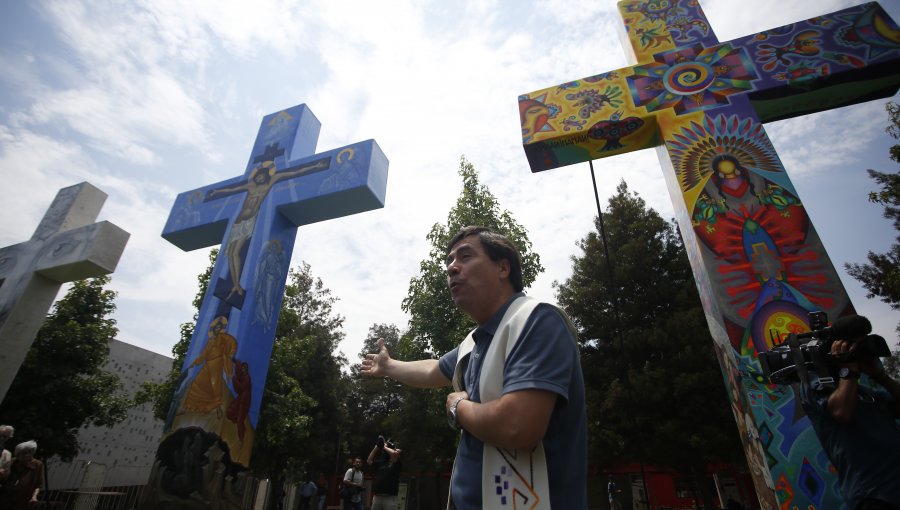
545 358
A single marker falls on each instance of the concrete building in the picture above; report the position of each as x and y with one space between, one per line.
120 456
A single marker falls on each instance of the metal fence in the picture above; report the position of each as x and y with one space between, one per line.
84 487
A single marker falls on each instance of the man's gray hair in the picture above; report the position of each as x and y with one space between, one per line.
4 428
26 447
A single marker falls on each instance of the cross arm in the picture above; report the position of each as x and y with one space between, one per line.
318 165
84 252
332 184
194 222
843 58
590 118
838 59
356 181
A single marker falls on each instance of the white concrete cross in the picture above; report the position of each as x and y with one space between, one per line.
66 246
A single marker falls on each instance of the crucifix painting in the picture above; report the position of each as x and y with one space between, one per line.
255 216
263 176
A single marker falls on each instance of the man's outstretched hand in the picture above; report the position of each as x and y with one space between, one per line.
375 364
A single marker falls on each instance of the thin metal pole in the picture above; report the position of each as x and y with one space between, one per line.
609 271
617 324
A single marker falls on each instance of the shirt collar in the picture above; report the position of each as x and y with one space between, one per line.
486 331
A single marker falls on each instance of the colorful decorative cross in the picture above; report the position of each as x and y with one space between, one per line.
758 261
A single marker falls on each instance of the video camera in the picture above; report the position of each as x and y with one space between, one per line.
382 442
779 364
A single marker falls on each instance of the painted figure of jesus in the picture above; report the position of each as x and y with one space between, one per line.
261 180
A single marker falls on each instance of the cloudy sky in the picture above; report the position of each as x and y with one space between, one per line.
149 98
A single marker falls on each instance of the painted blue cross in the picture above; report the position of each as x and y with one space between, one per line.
255 216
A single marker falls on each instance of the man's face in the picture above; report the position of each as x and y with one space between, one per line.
474 279
357 463
4 436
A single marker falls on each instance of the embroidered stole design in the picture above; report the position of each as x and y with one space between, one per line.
510 479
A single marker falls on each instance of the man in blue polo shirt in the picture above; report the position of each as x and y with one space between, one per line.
519 391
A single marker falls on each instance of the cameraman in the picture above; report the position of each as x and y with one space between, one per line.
385 459
858 428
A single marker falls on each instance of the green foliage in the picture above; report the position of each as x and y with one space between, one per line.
304 386
435 321
302 403
893 128
373 403
881 275
61 386
286 415
411 417
647 355
376 399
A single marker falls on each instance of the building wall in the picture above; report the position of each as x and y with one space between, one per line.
123 454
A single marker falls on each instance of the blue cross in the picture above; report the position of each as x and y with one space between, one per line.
255 218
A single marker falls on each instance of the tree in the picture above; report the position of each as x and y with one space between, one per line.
436 326
62 386
305 390
648 359
374 403
881 275
304 386
435 321
893 128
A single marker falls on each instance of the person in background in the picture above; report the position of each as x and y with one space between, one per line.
385 459
25 480
613 491
322 491
352 490
308 493
6 433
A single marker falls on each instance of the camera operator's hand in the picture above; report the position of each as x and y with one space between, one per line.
842 349
868 365
843 400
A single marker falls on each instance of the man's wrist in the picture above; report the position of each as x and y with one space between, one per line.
848 373
452 417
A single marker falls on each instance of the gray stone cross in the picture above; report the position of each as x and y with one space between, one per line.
66 246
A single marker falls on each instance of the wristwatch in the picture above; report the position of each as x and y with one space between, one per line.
846 373
451 413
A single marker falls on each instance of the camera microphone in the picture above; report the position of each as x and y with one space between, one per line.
789 359
847 327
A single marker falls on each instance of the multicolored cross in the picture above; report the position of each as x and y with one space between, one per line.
758 261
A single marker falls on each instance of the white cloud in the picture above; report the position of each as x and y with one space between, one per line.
824 139
34 167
